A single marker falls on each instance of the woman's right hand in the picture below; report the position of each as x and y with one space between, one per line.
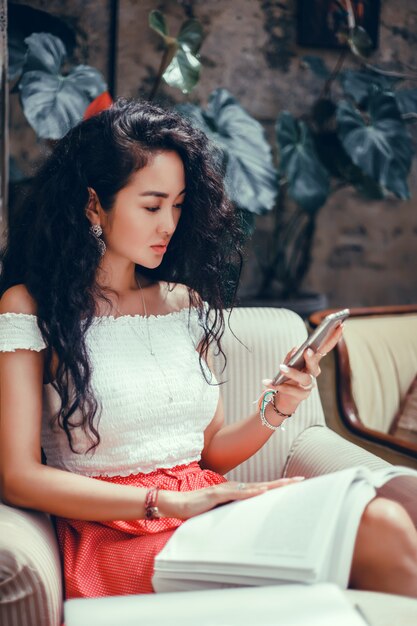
186 504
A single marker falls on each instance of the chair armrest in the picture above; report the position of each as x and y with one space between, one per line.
30 569
318 450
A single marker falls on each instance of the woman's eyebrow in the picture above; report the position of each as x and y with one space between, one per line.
159 194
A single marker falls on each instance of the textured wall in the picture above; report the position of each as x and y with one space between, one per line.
364 252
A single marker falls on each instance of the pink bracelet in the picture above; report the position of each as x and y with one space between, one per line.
151 509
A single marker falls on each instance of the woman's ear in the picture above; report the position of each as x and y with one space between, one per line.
92 211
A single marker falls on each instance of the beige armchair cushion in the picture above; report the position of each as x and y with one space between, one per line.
30 569
267 335
383 362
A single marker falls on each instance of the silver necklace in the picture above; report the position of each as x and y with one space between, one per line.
149 345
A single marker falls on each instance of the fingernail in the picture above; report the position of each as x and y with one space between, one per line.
309 352
284 368
298 478
267 381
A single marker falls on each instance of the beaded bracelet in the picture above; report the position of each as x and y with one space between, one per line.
151 510
268 397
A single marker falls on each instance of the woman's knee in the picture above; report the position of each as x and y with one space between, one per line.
386 546
382 515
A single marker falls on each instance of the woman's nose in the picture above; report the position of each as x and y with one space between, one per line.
167 223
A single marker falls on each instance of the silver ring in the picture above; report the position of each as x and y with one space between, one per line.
241 486
321 353
311 385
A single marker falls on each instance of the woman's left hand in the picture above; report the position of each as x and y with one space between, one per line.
300 384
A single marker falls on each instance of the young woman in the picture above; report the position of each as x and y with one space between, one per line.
114 280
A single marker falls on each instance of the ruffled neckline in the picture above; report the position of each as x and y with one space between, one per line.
111 318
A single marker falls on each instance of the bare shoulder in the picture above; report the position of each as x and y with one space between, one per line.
17 299
178 295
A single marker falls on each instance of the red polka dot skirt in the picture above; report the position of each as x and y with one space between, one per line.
117 558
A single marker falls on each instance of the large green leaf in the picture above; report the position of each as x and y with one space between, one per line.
158 23
379 143
191 36
182 69
308 180
251 179
53 103
335 159
24 21
45 53
407 100
359 85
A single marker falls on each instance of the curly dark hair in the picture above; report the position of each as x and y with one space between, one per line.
51 251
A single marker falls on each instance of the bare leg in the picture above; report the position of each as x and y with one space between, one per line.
385 554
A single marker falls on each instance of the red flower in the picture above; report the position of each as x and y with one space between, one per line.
102 102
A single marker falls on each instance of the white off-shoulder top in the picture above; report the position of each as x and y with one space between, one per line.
154 408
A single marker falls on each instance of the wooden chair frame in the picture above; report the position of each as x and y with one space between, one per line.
346 403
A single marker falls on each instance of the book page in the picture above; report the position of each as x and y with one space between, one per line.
285 533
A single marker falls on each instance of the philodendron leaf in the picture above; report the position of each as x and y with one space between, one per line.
53 103
45 53
360 42
181 67
407 100
359 85
184 70
380 144
191 36
308 180
251 179
157 22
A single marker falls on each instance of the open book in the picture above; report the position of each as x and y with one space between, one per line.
304 532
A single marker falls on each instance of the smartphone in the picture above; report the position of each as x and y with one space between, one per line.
314 341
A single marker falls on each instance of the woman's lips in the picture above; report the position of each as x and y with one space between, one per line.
159 249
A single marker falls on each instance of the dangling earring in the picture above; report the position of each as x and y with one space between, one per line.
96 231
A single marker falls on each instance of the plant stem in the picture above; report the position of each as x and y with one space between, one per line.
301 257
278 259
326 89
165 61
389 73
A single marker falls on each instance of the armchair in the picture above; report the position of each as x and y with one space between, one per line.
30 571
369 382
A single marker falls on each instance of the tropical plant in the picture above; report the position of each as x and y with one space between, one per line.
354 134
180 64
53 102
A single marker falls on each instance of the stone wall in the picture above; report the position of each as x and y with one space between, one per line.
364 252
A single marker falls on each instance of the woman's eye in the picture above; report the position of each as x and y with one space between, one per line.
178 206
152 209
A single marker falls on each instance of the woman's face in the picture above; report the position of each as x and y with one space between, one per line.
146 212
